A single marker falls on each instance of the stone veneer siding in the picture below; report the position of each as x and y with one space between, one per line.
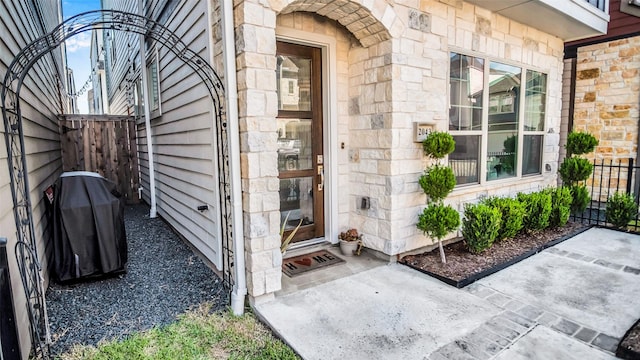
393 70
607 99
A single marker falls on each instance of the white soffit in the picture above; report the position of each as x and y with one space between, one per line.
566 19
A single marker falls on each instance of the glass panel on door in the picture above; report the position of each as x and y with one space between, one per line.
296 201
300 155
294 83
295 150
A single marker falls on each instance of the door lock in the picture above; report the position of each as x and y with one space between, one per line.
321 174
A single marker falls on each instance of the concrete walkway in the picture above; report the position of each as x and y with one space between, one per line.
572 301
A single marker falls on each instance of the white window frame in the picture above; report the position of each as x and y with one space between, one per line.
156 108
482 171
522 132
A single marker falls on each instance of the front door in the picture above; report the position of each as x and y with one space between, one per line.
300 155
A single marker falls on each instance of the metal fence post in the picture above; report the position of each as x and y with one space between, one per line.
9 343
629 175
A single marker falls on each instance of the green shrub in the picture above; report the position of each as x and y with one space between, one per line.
437 220
537 207
512 212
580 143
561 201
575 169
437 182
480 226
621 209
438 144
581 198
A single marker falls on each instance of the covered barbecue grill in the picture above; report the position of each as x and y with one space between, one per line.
89 237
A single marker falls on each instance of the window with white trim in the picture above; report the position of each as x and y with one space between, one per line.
497 123
153 80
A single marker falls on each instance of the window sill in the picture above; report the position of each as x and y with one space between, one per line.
465 189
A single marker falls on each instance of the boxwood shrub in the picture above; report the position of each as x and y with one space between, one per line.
537 207
575 169
561 201
437 182
438 144
438 220
581 198
579 143
621 209
480 226
512 212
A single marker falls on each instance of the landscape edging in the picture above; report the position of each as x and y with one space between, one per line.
477 276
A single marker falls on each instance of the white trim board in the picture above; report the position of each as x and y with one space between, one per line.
330 121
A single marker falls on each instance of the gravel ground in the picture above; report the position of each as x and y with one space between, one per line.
164 279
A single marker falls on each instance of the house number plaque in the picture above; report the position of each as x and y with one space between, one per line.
421 130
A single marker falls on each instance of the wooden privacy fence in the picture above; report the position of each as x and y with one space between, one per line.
103 144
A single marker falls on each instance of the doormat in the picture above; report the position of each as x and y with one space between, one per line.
301 264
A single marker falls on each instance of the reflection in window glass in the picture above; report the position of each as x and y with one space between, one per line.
491 132
504 89
535 101
296 201
466 91
154 88
532 155
294 144
293 80
465 159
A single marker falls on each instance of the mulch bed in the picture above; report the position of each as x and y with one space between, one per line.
463 268
629 347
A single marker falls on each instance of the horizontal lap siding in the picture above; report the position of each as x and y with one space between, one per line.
183 138
40 104
118 69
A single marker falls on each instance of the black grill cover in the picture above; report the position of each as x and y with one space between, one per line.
89 237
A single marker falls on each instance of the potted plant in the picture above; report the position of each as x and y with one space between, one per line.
350 242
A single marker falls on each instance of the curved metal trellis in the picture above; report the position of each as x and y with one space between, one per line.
14 137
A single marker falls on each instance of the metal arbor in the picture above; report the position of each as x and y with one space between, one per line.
26 248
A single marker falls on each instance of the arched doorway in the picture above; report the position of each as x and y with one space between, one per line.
26 248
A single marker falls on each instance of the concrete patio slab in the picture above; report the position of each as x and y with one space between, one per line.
543 343
351 266
389 312
572 301
588 294
613 246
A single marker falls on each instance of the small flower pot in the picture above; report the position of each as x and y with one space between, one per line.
348 247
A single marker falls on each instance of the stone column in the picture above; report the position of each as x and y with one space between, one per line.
256 62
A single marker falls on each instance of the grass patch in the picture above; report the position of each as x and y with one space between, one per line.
198 334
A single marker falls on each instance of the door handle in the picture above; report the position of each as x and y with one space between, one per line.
321 174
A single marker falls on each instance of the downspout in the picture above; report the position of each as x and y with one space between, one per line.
147 121
231 97
637 182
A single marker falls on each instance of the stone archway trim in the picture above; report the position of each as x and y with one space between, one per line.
370 21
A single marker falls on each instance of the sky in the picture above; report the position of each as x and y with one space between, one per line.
78 47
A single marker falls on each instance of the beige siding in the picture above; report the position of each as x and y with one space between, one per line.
120 48
40 103
184 132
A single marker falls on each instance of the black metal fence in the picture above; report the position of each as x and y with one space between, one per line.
609 177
